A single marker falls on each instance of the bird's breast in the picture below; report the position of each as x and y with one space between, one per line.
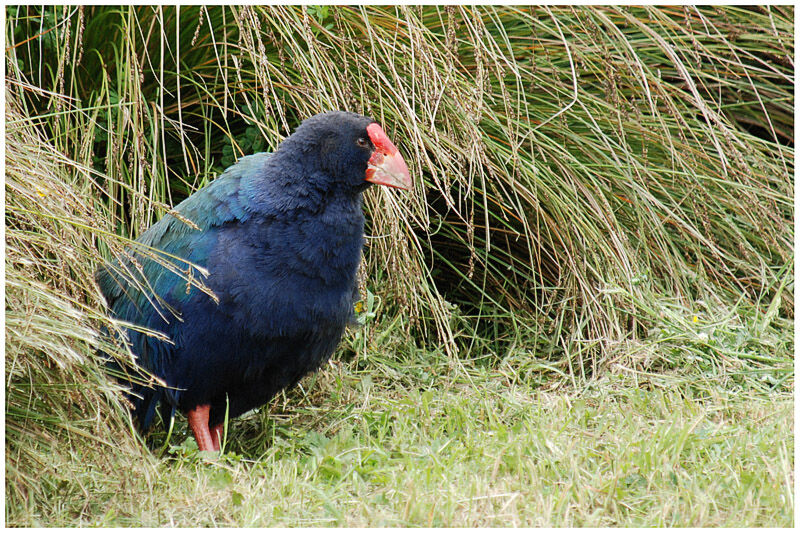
287 276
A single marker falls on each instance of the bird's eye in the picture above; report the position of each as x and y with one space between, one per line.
362 142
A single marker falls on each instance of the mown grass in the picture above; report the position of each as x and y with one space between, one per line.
583 315
368 442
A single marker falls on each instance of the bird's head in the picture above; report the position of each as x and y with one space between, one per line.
351 149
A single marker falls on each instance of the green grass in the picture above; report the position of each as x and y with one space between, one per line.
462 445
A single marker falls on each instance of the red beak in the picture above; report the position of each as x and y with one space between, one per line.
386 166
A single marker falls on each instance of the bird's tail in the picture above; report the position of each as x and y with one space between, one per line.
144 393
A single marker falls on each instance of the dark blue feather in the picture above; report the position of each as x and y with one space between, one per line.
281 237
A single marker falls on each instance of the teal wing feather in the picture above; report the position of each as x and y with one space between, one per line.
216 204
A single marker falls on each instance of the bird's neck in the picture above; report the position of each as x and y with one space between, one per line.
294 185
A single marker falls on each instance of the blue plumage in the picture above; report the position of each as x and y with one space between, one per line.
281 237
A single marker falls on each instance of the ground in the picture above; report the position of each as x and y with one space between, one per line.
457 444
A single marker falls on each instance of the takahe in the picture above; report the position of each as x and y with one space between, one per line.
280 236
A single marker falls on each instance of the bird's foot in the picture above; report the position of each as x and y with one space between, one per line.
216 436
198 422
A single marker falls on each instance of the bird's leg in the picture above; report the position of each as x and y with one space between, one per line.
198 421
216 436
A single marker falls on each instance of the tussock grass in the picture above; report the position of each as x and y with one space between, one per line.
599 191
563 156
59 402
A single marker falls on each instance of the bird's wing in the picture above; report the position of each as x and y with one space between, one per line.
188 234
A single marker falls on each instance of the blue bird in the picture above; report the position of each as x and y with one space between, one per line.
280 236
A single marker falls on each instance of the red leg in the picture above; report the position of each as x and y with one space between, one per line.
216 436
198 421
